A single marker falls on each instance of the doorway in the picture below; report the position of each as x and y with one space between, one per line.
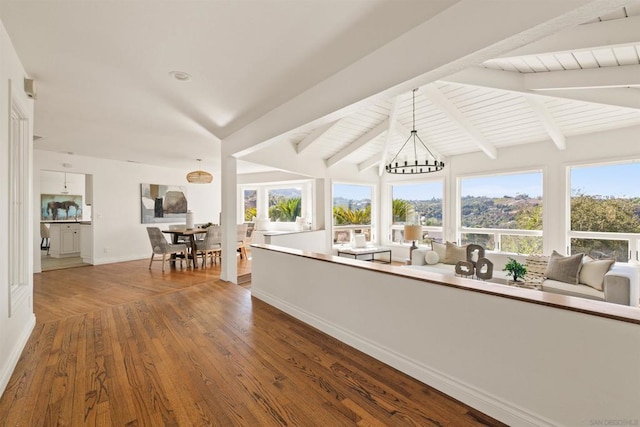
64 211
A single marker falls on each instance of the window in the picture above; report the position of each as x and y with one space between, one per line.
285 204
605 211
419 203
351 212
279 202
250 203
502 212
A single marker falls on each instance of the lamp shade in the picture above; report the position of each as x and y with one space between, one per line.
199 177
412 232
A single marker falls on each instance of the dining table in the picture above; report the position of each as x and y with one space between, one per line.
191 233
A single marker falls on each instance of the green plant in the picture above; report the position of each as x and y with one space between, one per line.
515 269
286 209
346 216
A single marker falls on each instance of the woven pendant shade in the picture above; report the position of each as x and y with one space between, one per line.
199 177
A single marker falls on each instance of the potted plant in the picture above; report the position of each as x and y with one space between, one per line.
515 269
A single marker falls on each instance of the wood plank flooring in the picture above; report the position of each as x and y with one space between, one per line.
121 345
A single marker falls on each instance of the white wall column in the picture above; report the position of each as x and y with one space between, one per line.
229 180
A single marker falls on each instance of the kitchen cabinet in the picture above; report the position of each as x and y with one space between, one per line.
64 240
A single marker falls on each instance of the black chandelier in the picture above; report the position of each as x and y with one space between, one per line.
414 166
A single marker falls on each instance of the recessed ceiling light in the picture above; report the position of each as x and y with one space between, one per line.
180 75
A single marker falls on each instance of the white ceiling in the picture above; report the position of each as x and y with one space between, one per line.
104 90
535 94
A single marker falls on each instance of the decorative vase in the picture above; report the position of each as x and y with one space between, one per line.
189 220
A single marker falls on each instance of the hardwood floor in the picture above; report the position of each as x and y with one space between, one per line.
121 345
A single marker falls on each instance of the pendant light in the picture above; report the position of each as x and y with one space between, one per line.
65 190
416 158
199 176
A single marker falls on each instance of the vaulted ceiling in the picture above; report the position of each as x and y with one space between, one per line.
105 90
582 80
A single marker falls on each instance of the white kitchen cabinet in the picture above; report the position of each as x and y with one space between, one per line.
64 240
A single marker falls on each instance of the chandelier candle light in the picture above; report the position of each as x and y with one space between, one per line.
406 164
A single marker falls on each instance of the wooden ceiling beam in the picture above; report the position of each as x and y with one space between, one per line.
446 106
393 122
604 77
549 124
358 143
315 135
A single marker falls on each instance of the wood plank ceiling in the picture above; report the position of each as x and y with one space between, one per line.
539 95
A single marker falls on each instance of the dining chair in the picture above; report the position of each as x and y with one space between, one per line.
160 246
180 239
242 240
44 235
210 245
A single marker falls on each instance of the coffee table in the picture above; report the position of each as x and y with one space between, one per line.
368 251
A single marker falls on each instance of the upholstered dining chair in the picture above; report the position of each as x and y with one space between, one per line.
211 245
44 235
242 240
160 246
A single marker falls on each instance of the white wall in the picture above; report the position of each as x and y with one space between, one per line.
310 241
523 363
14 329
118 234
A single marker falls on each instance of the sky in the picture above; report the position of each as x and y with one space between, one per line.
503 185
618 180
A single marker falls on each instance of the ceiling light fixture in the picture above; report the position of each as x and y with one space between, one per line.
65 190
199 176
408 164
180 75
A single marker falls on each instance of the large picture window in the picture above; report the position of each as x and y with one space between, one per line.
351 212
250 204
605 211
419 203
285 204
502 212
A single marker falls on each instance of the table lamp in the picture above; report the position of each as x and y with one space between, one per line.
413 233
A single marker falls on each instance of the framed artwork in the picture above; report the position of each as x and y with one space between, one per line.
60 207
162 203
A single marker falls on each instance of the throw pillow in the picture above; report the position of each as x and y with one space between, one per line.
439 248
564 268
454 253
431 257
593 271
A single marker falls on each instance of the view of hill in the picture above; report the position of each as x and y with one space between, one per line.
519 212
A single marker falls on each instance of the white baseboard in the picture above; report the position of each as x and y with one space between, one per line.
485 402
111 260
10 365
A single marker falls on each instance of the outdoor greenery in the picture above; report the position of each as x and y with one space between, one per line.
345 216
249 213
429 212
520 212
285 209
604 214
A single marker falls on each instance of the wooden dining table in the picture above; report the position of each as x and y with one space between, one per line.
191 233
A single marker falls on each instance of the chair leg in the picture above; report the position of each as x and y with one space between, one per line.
164 260
151 261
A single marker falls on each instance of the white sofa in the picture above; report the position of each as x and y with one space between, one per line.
621 282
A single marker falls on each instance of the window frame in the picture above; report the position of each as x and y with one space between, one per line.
262 199
497 233
633 239
425 228
353 227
